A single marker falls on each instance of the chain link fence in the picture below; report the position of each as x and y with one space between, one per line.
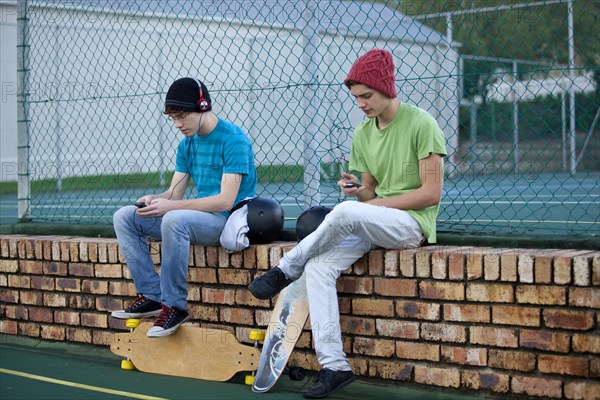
513 85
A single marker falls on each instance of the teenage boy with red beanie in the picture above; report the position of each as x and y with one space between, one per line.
399 152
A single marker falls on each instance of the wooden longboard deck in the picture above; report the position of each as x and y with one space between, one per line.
285 326
191 352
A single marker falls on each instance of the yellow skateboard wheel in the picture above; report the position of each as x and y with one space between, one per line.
132 323
127 364
249 380
257 335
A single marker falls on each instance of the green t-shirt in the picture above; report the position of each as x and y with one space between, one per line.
392 156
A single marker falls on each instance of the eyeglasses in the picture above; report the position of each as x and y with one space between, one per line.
178 117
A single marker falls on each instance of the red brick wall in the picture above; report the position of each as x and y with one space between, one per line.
508 321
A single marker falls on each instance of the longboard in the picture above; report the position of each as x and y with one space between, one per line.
284 328
191 352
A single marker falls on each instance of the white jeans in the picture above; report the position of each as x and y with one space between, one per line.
346 234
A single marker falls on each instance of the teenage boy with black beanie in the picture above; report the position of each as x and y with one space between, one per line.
218 156
399 152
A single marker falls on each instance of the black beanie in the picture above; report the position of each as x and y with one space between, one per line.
184 95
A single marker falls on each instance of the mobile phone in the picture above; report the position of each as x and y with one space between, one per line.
140 204
352 185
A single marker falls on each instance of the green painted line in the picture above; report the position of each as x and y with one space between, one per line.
79 385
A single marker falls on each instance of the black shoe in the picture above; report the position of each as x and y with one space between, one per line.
143 307
327 381
268 285
167 322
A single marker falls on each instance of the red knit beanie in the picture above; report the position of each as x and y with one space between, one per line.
376 70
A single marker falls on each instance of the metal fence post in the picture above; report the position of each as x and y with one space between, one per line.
23 191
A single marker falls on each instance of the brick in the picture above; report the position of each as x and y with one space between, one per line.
490 292
382 308
262 257
486 381
418 351
357 325
92 252
245 298
9 266
564 365
55 300
9 296
108 304
544 340
475 264
533 386
218 296
28 329
94 320
464 355
237 316
406 263
66 317
444 377
585 297
543 268
19 281
375 259
68 285
397 329
84 302
395 287
442 290
249 255
512 360
509 315
229 276
42 283
443 332
439 265
586 343
491 336
418 310
52 332
391 263
32 298
203 312
566 319
361 266
122 288
456 266
508 267
396 371
40 315
466 313
491 266
596 270
525 267
423 264
8 327
79 335
94 287
355 285
16 312
582 273
108 271
202 275
81 269
374 347
533 294
237 260
30 267
585 390
199 255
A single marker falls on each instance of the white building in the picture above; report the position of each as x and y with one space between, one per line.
99 71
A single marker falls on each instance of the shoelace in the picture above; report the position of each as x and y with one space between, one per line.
164 316
136 303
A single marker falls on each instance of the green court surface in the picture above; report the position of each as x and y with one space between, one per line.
35 369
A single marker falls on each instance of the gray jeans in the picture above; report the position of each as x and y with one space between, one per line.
346 234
